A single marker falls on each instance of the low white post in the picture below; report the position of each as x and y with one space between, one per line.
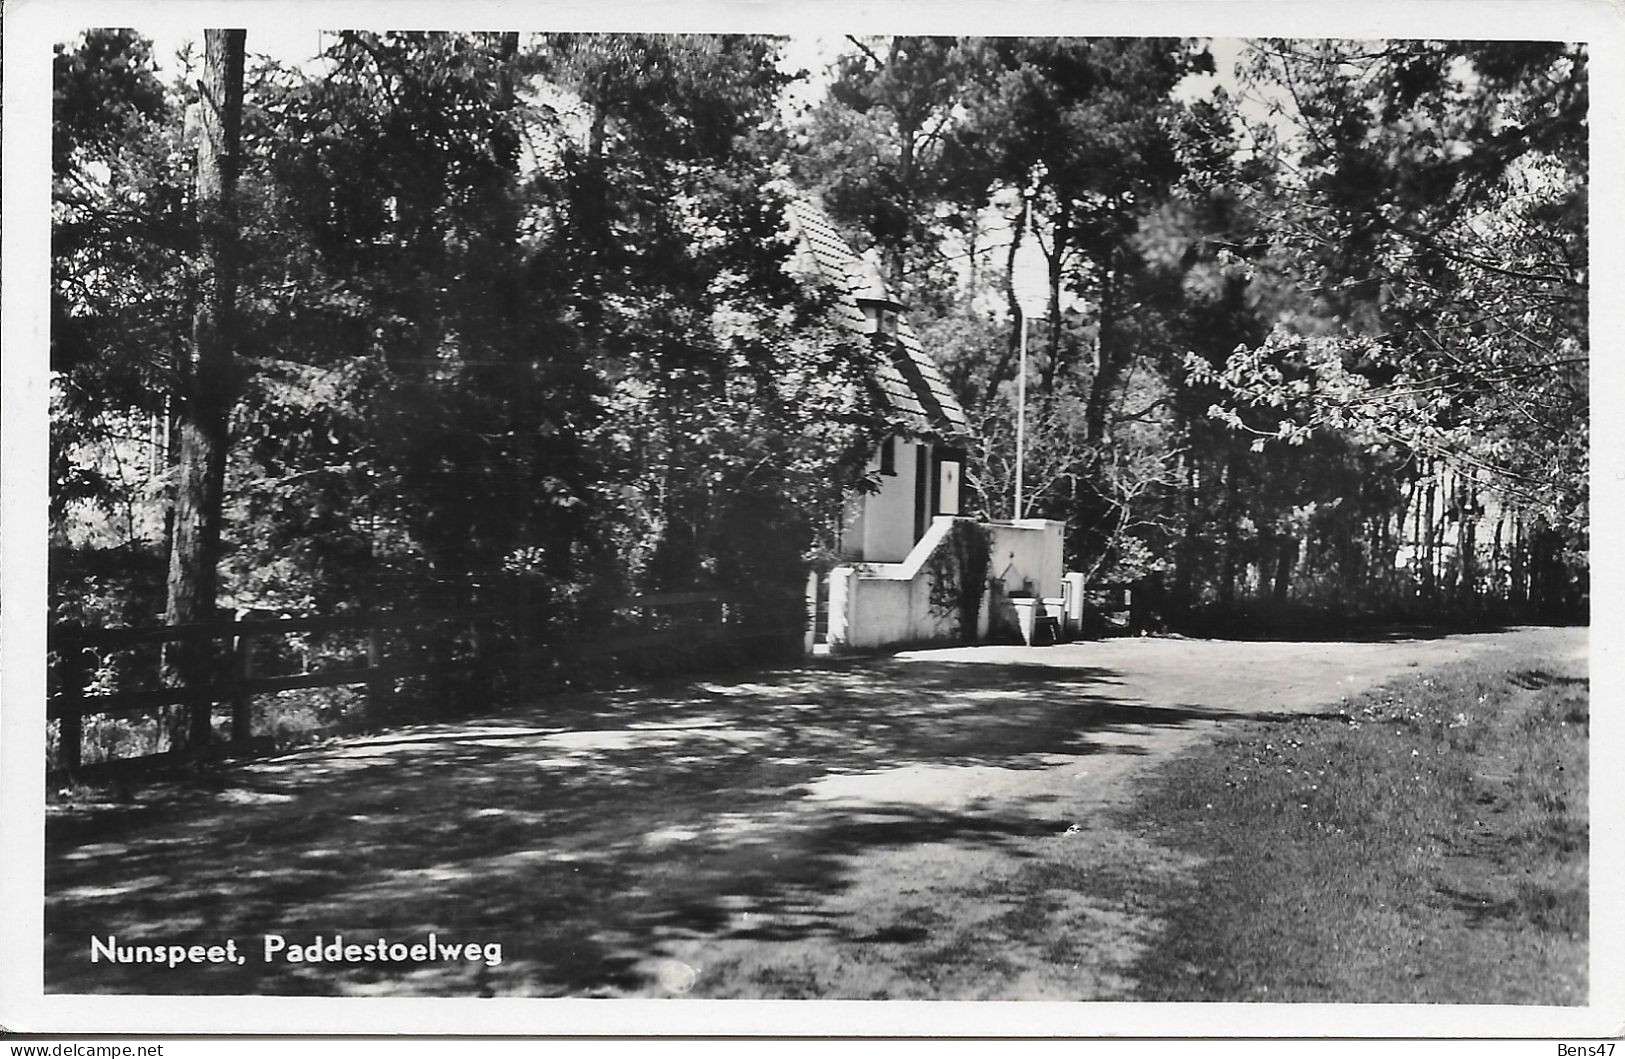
840 604
810 637
1072 592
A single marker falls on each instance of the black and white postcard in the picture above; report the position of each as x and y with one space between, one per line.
858 519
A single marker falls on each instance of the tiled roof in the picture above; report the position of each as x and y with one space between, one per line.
909 379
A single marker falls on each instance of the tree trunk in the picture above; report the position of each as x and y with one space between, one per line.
1518 577
1286 558
1052 343
207 384
1227 571
1109 364
1496 561
1467 541
1418 551
894 254
1429 552
1185 561
983 402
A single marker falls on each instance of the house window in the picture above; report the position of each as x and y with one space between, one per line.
949 473
948 482
888 456
880 319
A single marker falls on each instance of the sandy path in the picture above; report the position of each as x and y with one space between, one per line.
1226 679
958 890
905 827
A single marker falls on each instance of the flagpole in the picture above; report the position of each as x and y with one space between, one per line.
1022 299
1021 408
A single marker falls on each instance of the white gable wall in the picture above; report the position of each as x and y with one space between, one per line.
880 526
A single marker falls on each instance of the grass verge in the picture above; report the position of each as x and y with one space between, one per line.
1426 844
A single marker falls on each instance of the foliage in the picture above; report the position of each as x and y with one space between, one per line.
731 400
121 232
1429 197
514 322
958 575
1085 129
516 325
883 153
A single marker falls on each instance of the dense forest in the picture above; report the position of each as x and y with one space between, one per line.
468 319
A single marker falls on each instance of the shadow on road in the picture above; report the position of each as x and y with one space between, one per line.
585 834
1311 631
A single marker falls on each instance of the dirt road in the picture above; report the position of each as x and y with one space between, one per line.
906 827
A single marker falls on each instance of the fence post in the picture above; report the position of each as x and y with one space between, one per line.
377 690
479 647
70 726
242 703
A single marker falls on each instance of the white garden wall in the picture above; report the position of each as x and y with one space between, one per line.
874 605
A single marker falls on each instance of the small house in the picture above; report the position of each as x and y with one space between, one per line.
921 467
902 543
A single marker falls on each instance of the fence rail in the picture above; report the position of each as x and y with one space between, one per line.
70 704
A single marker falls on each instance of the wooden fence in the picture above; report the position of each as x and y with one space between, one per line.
712 618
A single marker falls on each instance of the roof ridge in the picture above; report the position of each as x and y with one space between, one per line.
914 387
